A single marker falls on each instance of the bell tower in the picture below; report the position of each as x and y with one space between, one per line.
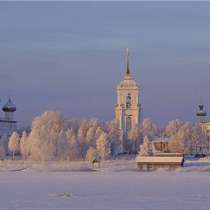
7 123
127 108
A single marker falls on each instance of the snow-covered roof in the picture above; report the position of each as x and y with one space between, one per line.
154 159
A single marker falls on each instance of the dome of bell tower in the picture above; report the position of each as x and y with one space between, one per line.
128 81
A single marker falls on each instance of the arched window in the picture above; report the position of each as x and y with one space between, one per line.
128 123
128 101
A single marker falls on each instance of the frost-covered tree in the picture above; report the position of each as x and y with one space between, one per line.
45 135
98 132
149 128
24 145
103 146
173 127
181 141
135 138
199 139
69 133
2 147
2 152
62 147
146 148
81 134
186 135
13 145
4 142
74 151
189 139
72 148
115 136
90 136
176 145
91 154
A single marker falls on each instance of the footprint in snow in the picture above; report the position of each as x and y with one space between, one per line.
61 195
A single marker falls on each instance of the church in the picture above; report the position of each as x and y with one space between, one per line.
202 118
7 122
128 107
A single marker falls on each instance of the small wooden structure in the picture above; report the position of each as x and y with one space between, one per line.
96 163
161 144
152 163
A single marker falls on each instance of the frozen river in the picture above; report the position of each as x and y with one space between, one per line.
28 190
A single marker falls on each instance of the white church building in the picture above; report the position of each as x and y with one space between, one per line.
7 122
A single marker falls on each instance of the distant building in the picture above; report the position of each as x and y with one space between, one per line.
202 118
7 122
127 108
203 122
201 114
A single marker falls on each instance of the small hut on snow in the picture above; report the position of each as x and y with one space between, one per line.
151 163
154 155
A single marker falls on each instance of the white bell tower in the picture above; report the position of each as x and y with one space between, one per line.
127 108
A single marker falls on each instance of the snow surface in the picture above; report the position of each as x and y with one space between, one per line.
118 185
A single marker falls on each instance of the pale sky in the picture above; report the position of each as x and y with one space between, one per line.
69 57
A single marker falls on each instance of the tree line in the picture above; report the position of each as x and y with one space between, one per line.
52 137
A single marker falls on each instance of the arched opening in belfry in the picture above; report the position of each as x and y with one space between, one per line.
128 123
128 101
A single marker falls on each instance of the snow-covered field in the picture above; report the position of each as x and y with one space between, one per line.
117 185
